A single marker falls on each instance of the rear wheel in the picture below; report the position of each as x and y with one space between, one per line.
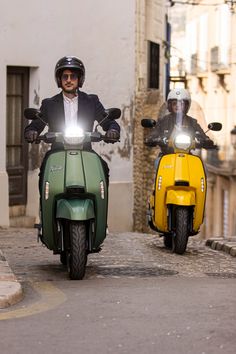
77 254
181 238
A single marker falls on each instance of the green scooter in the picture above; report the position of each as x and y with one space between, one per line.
74 196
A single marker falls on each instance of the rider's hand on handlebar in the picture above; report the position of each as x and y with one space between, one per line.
111 136
208 144
31 136
150 142
154 141
214 146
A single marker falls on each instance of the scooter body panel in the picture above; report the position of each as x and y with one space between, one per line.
66 171
75 209
96 185
53 185
180 181
180 197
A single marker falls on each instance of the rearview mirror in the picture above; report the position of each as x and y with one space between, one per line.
148 123
215 126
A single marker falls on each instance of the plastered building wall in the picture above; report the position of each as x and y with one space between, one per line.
209 57
151 26
111 38
102 34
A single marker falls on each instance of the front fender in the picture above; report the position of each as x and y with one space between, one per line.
75 209
181 197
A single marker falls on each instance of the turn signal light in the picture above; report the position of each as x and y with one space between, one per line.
159 183
46 191
202 184
102 190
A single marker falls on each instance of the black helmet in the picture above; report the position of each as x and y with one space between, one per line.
72 63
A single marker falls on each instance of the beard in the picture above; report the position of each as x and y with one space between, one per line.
70 90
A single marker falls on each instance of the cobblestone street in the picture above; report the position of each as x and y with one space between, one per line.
123 255
136 297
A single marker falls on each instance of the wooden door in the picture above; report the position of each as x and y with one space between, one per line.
17 149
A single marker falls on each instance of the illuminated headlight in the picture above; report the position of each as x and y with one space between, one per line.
74 135
182 141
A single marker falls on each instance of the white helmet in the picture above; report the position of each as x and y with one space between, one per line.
179 94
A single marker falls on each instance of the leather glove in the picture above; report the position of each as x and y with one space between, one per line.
112 135
31 136
154 141
208 144
150 142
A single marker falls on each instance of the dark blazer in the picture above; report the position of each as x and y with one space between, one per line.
166 124
90 110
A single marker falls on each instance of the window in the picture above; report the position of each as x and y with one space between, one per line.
154 66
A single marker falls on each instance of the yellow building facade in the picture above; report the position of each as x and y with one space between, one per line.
208 55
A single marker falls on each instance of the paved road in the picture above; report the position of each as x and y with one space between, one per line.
137 297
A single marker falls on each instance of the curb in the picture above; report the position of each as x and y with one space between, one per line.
227 245
10 289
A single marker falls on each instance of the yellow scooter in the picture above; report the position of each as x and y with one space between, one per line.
176 205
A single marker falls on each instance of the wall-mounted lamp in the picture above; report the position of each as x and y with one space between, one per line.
231 4
233 137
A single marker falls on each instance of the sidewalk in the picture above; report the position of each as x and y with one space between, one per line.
10 288
227 245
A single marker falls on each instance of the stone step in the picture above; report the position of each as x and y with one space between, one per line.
22 221
17 210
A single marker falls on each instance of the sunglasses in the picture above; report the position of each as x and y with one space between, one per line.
71 77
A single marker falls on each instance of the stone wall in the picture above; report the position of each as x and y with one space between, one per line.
150 26
146 105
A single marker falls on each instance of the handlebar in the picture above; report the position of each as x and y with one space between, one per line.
51 137
200 145
160 141
164 141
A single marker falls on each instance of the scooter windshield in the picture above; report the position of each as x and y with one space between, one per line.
177 113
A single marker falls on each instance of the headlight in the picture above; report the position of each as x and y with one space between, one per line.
74 135
182 141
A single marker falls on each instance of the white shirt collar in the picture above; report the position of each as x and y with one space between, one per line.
68 100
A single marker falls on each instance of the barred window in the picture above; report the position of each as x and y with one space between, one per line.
154 66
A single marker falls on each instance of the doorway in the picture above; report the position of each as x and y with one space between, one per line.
17 148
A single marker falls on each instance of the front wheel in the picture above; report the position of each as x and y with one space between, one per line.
181 238
77 254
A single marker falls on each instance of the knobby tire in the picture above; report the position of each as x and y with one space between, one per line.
181 237
78 253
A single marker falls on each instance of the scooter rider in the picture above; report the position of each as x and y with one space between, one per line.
70 105
178 104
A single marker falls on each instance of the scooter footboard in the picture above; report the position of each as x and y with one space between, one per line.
75 209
